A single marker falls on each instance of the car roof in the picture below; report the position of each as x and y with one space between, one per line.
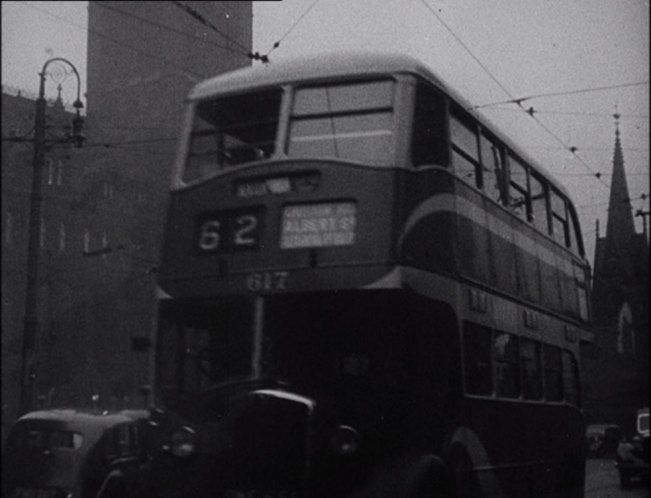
89 423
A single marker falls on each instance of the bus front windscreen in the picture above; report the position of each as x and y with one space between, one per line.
322 342
201 344
232 130
350 121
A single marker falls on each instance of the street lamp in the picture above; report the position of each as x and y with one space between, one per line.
30 331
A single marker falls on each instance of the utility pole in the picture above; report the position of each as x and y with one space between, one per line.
31 323
644 215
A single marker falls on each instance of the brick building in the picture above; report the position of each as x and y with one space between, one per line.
104 204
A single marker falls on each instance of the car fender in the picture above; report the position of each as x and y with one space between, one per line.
113 485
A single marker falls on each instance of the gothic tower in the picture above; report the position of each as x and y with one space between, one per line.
616 366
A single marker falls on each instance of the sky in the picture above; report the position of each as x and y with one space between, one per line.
581 60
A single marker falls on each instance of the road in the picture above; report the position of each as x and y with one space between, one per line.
602 481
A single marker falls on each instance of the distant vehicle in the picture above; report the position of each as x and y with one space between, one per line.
73 454
633 455
602 438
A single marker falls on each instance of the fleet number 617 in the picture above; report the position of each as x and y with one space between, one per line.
266 280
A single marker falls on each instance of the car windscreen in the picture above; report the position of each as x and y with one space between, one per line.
25 436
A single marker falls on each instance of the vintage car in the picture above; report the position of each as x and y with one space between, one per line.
602 439
73 454
633 454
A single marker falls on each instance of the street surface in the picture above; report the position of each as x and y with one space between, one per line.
602 481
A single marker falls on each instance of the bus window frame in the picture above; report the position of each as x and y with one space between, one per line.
417 87
511 184
396 113
465 120
562 218
545 225
500 174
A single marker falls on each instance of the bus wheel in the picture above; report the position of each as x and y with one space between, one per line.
433 485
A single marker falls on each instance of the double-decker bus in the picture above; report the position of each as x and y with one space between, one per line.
366 291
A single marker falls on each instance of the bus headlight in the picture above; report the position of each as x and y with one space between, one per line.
344 440
183 442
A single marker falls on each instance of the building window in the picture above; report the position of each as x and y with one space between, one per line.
62 237
41 238
625 332
108 191
50 171
104 244
9 222
86 240
59 172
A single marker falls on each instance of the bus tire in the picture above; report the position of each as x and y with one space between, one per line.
409 476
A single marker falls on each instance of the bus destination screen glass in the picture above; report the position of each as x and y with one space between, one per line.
232 130
318 225
352 121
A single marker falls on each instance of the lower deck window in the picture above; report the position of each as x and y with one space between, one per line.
478 366
497 363
507 371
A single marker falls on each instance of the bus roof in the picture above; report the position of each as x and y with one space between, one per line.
346 64
329 65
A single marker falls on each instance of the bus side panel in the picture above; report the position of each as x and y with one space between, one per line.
515 449
427 228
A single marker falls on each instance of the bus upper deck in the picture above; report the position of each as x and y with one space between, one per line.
331 174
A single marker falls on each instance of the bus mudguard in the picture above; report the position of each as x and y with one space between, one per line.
412 475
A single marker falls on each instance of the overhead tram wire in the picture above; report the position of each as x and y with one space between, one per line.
504 89
570 113
244 51
130 47
129 142
512 98
556 94
163 26
291 28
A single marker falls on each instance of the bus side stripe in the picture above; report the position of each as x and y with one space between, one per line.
497 227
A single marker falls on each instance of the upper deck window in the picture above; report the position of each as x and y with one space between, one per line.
429 136
465 150
352 121
232 130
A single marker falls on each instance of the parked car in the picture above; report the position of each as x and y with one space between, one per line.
73 454
602 439
633 454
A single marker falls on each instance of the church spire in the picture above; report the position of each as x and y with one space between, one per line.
620 227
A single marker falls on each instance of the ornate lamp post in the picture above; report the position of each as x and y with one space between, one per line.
31 325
